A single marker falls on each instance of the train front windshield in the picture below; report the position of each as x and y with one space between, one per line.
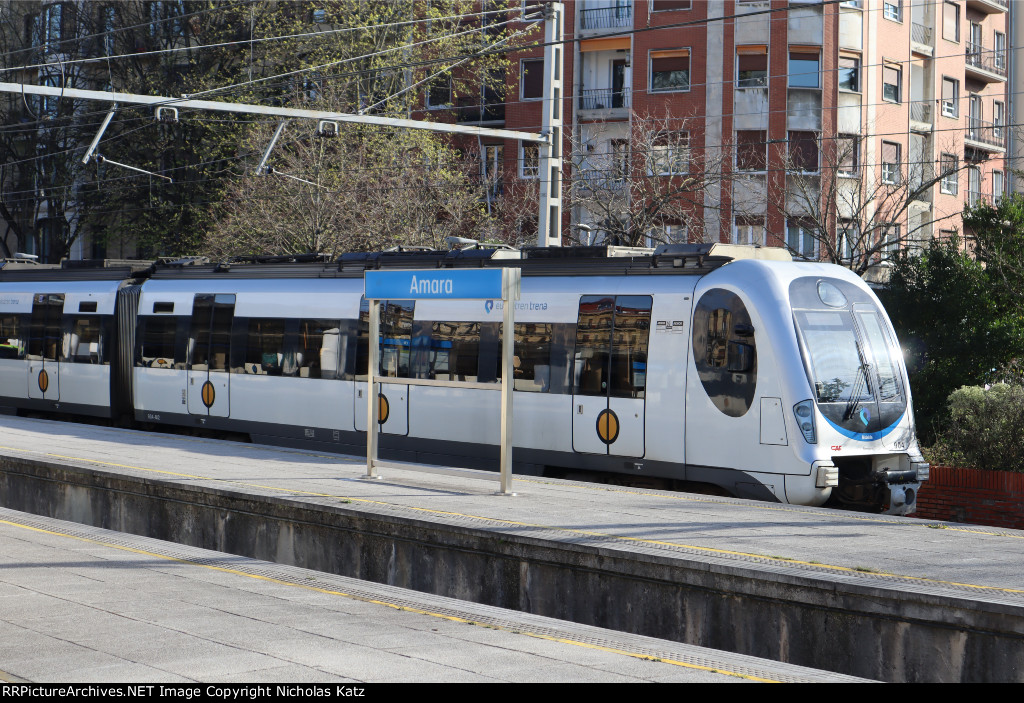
850 357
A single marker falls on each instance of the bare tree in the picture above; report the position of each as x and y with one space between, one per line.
845 212
650 185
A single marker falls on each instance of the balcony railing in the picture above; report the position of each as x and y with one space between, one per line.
986 132
921 111
593 179
986 59
603 99
607 17
921 34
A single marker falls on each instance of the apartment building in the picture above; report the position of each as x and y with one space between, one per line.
842 130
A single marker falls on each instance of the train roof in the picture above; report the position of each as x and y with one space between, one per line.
686 259
601 260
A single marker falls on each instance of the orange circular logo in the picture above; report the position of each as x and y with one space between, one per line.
209 394
44 380
383 408
608 426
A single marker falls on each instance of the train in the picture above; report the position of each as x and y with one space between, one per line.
728 367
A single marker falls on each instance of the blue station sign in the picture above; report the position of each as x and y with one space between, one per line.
452 284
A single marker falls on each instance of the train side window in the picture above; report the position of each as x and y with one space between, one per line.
12 346
210 339
159 346
593 342
85 339
45 326
264 347
317 349
724 351
629 346
396 337
612 336
531 365
396 328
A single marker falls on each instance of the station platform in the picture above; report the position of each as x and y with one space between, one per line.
82 604
879 597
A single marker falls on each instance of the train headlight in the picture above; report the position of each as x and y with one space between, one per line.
804 412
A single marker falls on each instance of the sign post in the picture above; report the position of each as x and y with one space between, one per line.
443 284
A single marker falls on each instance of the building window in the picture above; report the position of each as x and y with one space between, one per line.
751 150
490 168
439 92
848 155
800 239
998 115
998 186
893 10
999 51
667 234
804 65
748 230
751 66
892 82
849 73
891 241
529 160
849 240
531 79
951 21
973 185
891 162
51 24
803 152
950 97
948 164
668 155
670 70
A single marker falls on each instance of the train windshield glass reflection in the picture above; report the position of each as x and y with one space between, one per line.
837 370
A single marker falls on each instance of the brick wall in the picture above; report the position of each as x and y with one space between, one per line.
993 498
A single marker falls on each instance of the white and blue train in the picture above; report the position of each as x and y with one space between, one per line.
732 367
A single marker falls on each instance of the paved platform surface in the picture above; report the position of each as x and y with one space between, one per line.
964 560
82 604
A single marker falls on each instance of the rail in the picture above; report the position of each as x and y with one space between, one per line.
604 98
607 17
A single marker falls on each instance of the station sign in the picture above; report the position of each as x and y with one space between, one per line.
450 284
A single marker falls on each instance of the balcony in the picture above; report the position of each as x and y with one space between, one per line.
985 135
600 18
984 64
921 112
604 99
989 7
921 38
596 179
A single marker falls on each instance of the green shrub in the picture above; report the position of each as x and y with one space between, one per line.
983 428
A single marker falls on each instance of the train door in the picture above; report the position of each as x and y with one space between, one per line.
610 374
44 346
209 355
395 341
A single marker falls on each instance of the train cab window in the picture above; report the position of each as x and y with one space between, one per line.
264 348
44 341
317 348
160 347
612 335
85 339
724 351
12 346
